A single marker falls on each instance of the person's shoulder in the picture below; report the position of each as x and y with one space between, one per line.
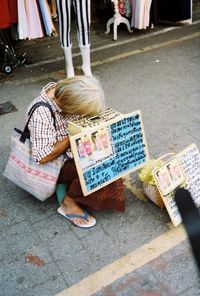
36 100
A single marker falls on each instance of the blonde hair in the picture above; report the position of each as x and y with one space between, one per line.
80 95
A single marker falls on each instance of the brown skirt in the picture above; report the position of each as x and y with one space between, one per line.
108 197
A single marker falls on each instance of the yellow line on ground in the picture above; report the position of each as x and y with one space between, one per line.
145 49
110 273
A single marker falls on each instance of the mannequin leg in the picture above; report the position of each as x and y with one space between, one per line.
64 15
85 52
68 61
82 11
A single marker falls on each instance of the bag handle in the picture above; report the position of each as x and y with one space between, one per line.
26 134
159 158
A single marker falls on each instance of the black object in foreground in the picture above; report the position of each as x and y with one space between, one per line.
191 220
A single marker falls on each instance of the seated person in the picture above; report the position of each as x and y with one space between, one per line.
75 96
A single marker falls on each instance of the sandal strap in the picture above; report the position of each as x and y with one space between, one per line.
71 216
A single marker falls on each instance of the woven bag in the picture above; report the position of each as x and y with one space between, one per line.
38 179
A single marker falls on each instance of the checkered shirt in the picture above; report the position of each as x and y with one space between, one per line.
43 134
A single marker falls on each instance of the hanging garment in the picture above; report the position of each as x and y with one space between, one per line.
13 11
174 10
127 8
46 17
23 31
29 23
121 6
8 13
140 13
33 18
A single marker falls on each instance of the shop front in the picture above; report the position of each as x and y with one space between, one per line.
28 20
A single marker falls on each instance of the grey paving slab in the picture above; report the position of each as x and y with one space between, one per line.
171 274
75 272
16 239
64 244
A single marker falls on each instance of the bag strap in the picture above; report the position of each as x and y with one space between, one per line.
26 134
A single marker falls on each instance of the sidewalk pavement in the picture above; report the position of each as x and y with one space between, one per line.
41 253
151 270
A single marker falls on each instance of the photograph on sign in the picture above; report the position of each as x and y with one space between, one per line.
169 176
94 148
109 151
183 170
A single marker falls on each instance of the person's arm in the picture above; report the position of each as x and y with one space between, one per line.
45 146
59 148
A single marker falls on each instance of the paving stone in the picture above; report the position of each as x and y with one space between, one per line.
175 278
51 226
129 239
101 249
75 268
79 233
39 252
137 284
10 214
14 279
41 274
194 291
176 252
16 239
62 244
49 288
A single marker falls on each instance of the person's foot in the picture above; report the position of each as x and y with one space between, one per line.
73 212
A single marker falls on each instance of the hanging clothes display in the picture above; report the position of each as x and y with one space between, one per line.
22 20
121 6
8 13
29 23
46 17
174 10
124 7
140 13
127 8
34 19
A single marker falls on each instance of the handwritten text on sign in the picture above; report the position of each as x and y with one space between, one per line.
183 170
190 162
129 152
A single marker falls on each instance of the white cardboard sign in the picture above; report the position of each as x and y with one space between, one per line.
109 151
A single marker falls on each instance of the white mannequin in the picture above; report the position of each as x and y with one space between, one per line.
82 12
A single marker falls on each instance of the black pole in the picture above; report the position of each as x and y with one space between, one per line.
191 220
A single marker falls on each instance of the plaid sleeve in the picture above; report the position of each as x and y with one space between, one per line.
42 133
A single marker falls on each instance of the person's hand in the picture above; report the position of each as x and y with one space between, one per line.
59 148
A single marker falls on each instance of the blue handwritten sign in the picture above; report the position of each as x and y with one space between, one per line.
126 151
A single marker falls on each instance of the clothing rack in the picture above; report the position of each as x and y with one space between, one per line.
29 20
116 20
8 57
